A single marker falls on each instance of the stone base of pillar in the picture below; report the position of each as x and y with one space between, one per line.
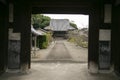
12 70
24 68
93 67
107 71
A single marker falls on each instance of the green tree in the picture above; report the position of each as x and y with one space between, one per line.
73 25
40 21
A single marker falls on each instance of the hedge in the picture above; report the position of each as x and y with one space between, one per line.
43 41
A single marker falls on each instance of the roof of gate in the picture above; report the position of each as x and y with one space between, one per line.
35 32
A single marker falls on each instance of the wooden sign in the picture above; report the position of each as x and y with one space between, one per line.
104 54
107 13
13 54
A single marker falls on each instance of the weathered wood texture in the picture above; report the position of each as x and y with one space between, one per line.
3 37
116 38
22 24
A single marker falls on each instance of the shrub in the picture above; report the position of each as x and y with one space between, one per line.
43 41
81 42
85 44
44 45
78 39
49 37
71 40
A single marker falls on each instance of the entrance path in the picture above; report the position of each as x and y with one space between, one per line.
59 52
78 53
62 50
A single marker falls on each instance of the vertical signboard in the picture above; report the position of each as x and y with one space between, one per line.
11 12
104 49
107 13
13 54
13 50
104 54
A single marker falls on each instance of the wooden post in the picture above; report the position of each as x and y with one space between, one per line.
22 24
3 36
94 24
115 42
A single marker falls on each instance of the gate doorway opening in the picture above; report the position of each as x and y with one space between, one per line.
60 38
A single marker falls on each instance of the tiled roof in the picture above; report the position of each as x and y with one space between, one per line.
59 24
37 33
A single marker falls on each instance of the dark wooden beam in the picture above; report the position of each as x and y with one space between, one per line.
3 2
60 10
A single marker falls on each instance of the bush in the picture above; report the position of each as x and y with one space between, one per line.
71 40
44 45
84 44
49 37
79 40
43 41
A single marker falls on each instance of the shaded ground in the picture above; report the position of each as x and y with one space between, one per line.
58 71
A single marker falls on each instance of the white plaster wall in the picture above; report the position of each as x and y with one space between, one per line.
14 36
104 35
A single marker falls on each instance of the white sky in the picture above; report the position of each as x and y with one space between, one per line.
80 20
